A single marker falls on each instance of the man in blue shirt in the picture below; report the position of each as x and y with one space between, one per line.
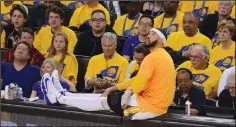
146 22
20 71
187 91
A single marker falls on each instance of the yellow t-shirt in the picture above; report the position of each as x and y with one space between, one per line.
223 59
3 36
133 66
5 12
233 12
207 79
178 41
69 68
72 4
113 70
83 14
209 8
44 39
158 93
128 29
176 25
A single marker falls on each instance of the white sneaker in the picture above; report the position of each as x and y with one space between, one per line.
49 91
56 82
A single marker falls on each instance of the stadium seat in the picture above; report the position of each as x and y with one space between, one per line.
120 44
83 63
210 102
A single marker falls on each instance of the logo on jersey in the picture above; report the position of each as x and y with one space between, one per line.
201 13
132 32
75 5
110 72
186 48
224 63
215 40
173 28
200 78
5 18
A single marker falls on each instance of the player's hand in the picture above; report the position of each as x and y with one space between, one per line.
107 92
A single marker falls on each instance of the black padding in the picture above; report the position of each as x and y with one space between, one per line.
83 63
177 124
211 102
220 112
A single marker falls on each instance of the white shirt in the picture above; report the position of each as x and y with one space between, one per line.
223 80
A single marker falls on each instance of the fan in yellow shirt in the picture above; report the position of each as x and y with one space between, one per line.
181 41
108 66
200 8
58 51
205 75
127 25
6 7
171 20
43 39
223 56
83 14
233 12
73 4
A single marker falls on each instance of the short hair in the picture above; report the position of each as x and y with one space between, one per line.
20 8
141 49
185 70
98 11
147 16
203 48
26 30
110 36
52 61
191 14
228 24
56 10
25 43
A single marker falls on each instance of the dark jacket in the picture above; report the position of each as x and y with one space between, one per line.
38 18
88 44
208 26
226 100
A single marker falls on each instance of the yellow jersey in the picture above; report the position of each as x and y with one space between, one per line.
73 4
223 59
178 41
69 67
200 8
124 26
113 70
5 13
44 39
207 79
83 14
233 12
133 66
3 36
170 25
32 2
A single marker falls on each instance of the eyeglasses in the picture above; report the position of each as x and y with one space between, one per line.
145 24
98 20
195 57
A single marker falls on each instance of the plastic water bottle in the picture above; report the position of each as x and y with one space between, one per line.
187 107
20 94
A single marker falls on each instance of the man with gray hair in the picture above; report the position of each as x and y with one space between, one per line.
205 75
106 69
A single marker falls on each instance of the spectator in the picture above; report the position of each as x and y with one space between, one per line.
111 68
153 8
113 7
89 42
145 24
155 81
6 7
83 14
187 91
73 4
39 16
181 41
27 35
171 20
223 55
140 52
209 25
223 80
20 72
200 8
59 51
55 17
129 21
50 66
205 75
227 96
10 34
